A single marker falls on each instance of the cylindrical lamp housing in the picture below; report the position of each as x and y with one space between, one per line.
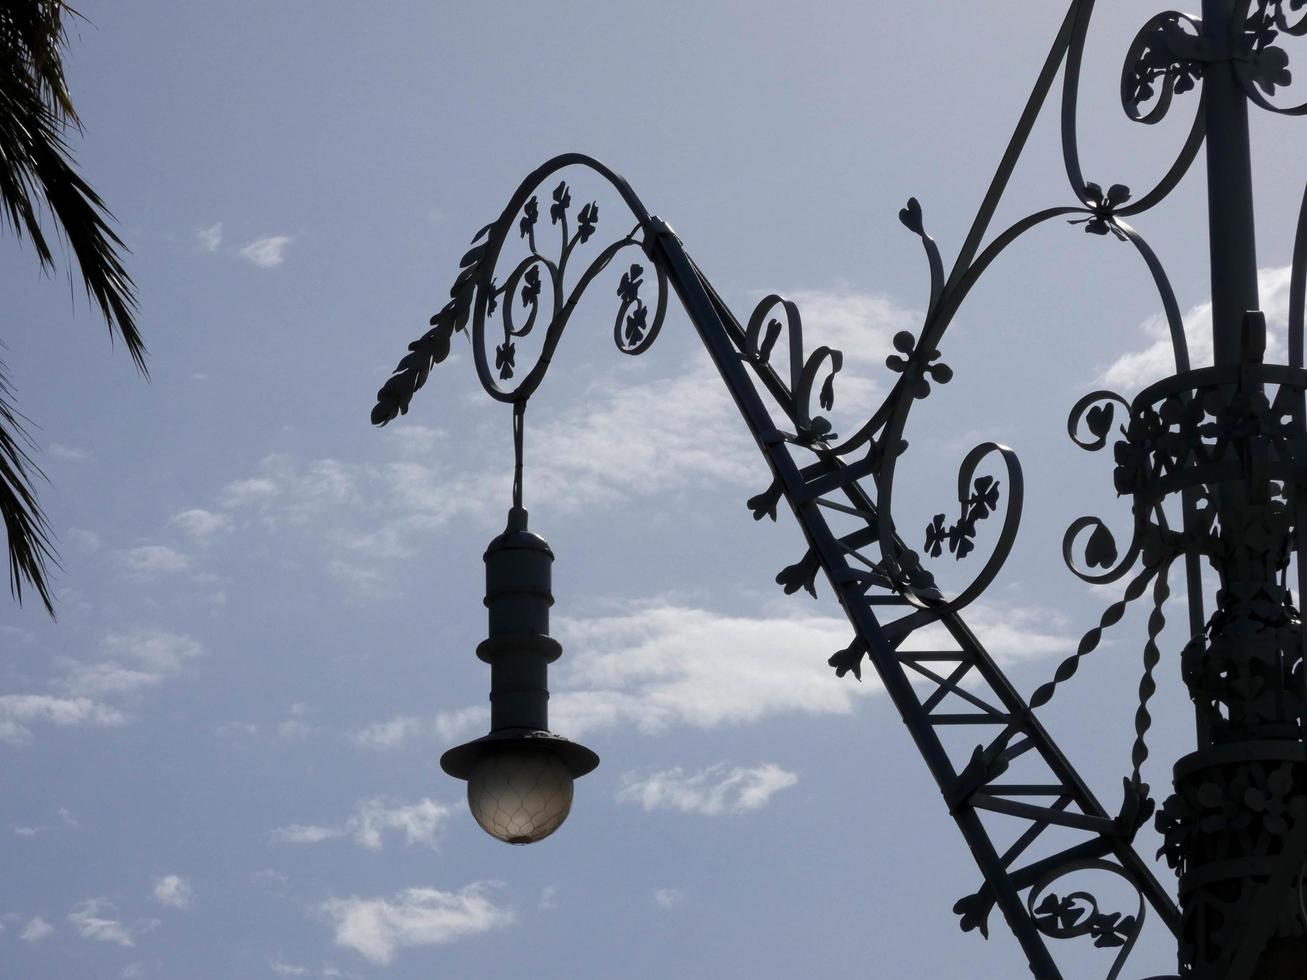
518 647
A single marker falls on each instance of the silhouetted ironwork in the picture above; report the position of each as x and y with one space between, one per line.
1221 448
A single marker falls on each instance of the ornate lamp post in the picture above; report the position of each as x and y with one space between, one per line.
1214 460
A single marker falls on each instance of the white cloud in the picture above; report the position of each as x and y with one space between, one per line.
174 891
153 654
1130 372
446 726
419 823
270 877
133 971
210 238
20 831
391 733
266 253
70 453
306 833
152 559
88 919
377 927
620 442
18 711
108 679
35 930
237 729
88 541
156 649
548 898
240 492
862 325
712 792
623 441
666 898
287 969
200 523
647 669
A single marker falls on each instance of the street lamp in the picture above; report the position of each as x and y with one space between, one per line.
1214 460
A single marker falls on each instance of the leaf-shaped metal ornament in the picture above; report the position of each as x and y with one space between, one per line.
849 660
562 201
531 214
1099 419
628 290
827 397
801 575
587 220
1100 550
911 216
764 504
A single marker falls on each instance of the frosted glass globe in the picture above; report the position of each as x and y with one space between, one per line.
520 797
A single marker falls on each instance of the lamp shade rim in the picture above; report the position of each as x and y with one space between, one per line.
579 760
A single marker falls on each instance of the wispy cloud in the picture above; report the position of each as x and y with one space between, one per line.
621 442
266 253
70 453
141 659
666 898
108 679
152 559
377 927
306 833
860 324
89 920
88 541
200 523
712 792
174 891
35 930
647 669
287 969
418 823
446 726
1130 372
157 649
19 711
210 237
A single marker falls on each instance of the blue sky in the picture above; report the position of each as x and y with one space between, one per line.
221 760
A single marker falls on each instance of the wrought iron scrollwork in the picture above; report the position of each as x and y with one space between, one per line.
1076 914
805 369
1260 60
536 293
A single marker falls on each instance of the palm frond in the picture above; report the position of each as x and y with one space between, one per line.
36 169
31 552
